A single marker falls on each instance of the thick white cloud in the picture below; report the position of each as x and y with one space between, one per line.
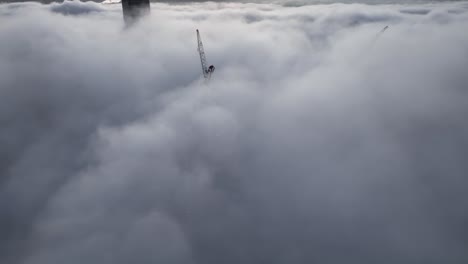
316 141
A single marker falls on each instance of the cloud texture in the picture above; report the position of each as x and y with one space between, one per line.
316 141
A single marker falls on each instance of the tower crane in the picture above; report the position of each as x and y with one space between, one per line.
383 29
207 71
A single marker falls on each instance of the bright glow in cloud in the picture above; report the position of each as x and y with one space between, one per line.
316 141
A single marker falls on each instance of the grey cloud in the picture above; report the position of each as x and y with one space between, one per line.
416 11
312 143
75 7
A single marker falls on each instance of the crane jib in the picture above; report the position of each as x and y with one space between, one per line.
205 69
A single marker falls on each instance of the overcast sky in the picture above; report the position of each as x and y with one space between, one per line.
284 2
318 140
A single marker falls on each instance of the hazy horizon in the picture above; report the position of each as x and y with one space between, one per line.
281 2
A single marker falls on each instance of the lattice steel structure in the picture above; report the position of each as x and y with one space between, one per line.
207 71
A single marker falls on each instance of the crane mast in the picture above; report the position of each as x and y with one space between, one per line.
207 71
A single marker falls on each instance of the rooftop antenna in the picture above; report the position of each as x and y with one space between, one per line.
207 71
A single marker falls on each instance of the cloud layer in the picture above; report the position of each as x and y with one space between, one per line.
318 140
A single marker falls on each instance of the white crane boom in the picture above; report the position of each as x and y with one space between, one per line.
207 71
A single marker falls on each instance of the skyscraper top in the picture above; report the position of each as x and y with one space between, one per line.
133 9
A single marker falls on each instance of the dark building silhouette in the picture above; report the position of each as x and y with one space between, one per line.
133 9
